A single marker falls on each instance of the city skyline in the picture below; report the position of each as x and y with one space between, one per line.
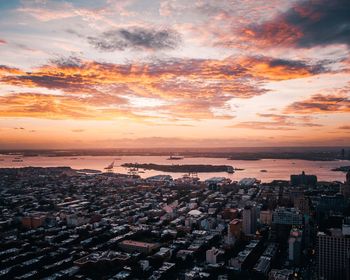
87 74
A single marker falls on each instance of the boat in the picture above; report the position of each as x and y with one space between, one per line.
263 170
17 160
175 157
109 167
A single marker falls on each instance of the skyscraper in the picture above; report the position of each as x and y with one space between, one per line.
295 246
249 220
333 254
345 188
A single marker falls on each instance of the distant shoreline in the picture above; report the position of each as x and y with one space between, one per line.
294 154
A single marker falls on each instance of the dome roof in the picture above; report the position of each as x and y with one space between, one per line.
194 213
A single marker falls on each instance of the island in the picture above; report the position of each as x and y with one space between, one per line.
199 168
342 168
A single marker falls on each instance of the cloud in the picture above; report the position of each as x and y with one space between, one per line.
49 106
306 24
7 71
2 42
185 88
280 69
346 127
278 122
136 38
47 11
78 130
321 104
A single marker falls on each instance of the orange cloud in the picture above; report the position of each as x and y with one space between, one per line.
321 104
8 71
193 88
49 106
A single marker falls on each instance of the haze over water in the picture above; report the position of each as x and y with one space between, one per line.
277 169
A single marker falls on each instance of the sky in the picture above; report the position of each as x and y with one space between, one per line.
174 73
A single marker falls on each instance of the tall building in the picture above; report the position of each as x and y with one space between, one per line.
303 179
345 188
303 204
266 217
249 220
331 204
333 254
235 228
287 216
295 246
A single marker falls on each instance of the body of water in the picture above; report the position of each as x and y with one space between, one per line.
275 168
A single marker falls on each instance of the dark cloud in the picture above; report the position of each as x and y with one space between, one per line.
68 62
2 41
297 65
307 24
136 38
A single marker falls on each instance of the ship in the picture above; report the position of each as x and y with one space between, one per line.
17 160
109 167
175 157
133 171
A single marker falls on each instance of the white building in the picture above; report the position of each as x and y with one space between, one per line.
213 255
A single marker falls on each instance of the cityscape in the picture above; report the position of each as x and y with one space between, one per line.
61 223
174 139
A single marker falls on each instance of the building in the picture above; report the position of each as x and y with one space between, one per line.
281 274
33 221
266 217
331 204
333 254
103 257
287 216
345 188
137 246
229 213
249 220
302 203
248 182
214 255
303 180
295 246
235 228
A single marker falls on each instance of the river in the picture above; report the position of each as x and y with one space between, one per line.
275 168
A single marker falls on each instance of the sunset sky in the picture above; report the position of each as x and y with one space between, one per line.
144 73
